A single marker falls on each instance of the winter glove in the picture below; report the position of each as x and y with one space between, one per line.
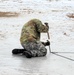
47 43
46 24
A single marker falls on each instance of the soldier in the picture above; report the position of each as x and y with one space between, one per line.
30 39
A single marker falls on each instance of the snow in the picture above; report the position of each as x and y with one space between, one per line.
61 37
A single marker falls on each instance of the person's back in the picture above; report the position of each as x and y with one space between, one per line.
31 30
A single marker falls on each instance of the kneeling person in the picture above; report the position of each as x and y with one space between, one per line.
30 39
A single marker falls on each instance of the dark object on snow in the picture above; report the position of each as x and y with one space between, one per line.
70 15
18 51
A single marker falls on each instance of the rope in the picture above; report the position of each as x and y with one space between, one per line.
55 53
62 56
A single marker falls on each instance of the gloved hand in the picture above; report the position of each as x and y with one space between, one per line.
46 24
47 43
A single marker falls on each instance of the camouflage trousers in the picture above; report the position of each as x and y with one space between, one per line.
37 49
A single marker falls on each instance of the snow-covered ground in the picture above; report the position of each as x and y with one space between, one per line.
14 14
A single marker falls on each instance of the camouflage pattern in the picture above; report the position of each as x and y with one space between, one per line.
31 31
37 49
30 37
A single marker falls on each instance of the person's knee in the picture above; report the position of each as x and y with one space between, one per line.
44 54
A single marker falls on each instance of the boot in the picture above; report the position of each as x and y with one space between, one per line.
18 51
27 54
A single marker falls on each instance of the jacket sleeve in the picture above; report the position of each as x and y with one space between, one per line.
42 28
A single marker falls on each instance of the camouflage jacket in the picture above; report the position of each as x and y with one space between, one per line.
31 31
